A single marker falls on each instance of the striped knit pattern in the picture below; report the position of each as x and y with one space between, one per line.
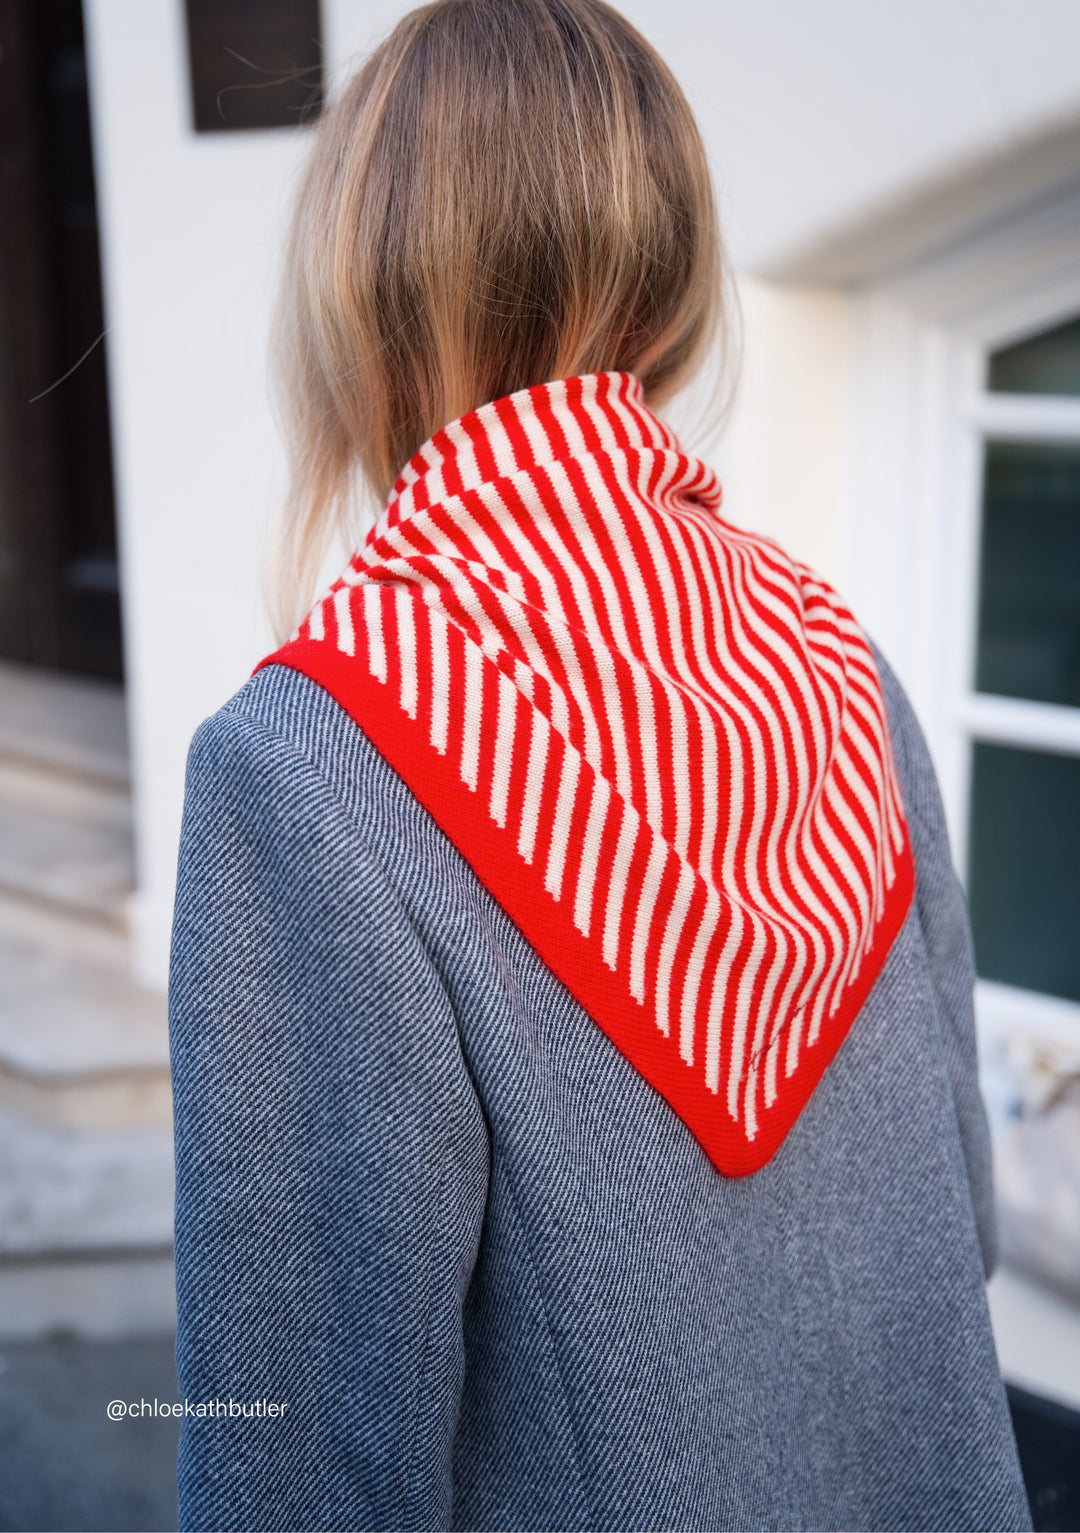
660 741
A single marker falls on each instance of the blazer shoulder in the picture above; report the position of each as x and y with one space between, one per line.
282 725
918 780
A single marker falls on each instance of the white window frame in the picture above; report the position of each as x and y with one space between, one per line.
920 416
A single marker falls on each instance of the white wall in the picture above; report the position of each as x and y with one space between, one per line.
785 459
820 111
815 115
191 229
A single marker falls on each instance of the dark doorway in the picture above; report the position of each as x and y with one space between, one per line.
59 591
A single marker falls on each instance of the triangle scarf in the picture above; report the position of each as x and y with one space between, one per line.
659 742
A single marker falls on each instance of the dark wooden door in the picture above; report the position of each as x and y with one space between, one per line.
59 592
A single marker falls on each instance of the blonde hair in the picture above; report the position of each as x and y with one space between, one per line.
508 192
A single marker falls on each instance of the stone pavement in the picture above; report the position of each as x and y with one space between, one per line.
63 1463
85 1109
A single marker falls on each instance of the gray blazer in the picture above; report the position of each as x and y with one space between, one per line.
426 1205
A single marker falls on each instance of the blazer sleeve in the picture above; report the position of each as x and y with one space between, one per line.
331 1162
943 917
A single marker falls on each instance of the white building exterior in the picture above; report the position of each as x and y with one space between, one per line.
900 185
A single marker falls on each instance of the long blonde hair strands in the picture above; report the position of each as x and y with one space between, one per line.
508 192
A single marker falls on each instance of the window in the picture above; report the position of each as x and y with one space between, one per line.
962 550
1020 709
254 63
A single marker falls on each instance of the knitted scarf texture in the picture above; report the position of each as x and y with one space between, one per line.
659 741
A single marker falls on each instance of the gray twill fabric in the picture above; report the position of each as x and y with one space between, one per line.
422 1199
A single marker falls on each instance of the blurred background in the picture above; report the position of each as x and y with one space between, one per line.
900 184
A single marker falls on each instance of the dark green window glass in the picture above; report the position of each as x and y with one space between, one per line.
1029 573
1044 364
1024 869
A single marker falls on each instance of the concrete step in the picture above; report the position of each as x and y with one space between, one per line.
1037 1332
100 944
106 1295
80 1045
66 841
77 1190
71 724
85 1109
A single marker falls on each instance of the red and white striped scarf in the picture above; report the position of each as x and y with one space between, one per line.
660 742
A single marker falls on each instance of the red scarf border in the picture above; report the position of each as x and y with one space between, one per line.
462 814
